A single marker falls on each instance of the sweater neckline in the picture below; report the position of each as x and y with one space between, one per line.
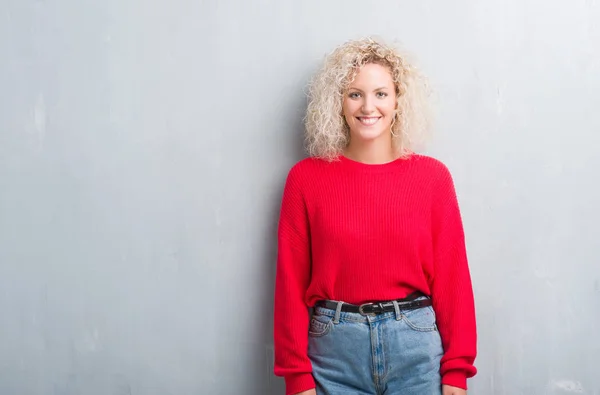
373 167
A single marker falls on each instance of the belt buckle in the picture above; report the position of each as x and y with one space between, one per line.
361 309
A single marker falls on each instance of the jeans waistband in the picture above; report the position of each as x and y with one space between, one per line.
337 312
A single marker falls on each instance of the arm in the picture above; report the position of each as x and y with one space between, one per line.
292 279
452 293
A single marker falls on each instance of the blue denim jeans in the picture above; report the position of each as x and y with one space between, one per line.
394 353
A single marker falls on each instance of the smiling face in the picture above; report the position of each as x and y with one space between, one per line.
370 103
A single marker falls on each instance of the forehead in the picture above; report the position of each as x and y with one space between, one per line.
372 74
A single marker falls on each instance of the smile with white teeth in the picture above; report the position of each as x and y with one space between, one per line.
368 121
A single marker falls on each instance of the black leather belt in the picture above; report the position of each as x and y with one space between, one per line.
408 303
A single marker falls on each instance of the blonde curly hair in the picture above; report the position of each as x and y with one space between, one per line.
327 133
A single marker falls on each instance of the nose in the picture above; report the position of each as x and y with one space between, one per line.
367 106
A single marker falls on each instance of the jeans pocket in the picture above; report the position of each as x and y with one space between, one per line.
422 320
320 325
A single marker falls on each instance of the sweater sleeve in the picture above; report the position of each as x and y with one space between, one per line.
291 282
452 293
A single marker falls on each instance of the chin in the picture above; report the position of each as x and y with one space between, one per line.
369 135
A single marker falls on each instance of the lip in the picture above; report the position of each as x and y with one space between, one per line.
369 120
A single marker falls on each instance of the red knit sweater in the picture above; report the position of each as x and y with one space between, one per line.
356 232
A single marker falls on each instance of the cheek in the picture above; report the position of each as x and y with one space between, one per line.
348 111
348 108
345 109
391 107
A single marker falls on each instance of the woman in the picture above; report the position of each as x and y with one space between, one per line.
370 236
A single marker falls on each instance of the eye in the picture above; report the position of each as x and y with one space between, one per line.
354 95
381 95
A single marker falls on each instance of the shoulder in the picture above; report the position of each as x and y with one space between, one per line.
306 169
300 174
439 177
306 164
433 166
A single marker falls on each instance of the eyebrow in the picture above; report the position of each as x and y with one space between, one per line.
378 89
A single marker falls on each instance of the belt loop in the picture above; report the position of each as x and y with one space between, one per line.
397 309
338 312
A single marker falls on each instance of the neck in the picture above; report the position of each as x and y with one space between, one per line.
371 152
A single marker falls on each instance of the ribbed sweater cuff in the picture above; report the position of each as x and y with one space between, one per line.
455 378
296 383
